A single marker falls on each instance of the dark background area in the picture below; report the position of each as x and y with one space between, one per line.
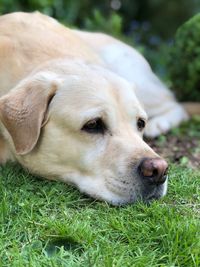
149 25
159 17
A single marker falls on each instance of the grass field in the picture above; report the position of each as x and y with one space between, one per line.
46 223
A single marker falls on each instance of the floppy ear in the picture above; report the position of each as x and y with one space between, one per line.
22 111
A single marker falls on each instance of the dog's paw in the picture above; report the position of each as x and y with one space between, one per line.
163 123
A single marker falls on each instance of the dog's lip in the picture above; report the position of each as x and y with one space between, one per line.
153 195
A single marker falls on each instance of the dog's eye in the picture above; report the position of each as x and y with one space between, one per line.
140 124
94 126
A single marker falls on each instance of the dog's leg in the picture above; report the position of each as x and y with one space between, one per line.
163 110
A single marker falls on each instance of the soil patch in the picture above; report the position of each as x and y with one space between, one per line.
181 145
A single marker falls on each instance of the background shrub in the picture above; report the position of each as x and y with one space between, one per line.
149 25
184 64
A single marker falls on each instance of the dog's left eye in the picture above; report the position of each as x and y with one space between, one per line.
141 124
94 126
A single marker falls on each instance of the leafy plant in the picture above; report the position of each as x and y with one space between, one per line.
111 25
184 64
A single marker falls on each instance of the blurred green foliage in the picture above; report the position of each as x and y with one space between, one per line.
111 25
148 25
184 65
157 17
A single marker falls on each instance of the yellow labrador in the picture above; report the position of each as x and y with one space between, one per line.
158 101
68 109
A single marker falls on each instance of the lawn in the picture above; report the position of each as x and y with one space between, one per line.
45 223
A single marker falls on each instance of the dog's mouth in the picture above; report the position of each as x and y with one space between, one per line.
146 195
158 191
123 191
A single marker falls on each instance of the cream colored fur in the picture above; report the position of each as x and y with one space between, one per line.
54 80
163 110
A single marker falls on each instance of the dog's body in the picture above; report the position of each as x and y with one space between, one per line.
72 116
162 109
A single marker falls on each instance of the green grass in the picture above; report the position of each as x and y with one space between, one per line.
45 223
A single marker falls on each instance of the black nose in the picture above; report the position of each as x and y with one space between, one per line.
153 170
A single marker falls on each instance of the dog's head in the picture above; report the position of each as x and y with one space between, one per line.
83 125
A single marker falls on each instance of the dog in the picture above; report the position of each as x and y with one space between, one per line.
163 111
74 107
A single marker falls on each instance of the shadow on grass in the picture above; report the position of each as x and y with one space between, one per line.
67 243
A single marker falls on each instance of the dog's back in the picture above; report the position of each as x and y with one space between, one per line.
28 40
